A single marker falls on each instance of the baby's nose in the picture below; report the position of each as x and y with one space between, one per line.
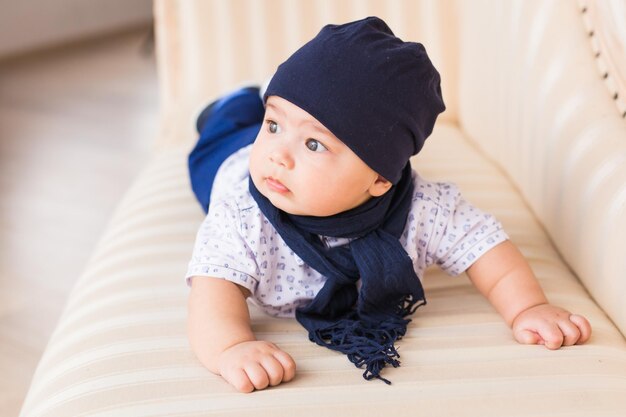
282 156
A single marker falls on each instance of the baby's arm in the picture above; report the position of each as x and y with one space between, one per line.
221 337
505 278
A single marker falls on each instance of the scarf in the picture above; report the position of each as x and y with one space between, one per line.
363 324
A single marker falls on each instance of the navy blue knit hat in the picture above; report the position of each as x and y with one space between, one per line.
376 93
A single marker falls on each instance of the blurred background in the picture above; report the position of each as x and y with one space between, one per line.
78 116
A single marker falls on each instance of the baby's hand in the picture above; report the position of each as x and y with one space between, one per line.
255 365
551 326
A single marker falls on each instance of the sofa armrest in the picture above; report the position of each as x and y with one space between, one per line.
532 98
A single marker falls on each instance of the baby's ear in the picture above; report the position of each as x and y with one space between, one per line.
380 187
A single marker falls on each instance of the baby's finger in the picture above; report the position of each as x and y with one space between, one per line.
274 369
551 334
257 374
288 364
583 325
570 331
239 379
528 337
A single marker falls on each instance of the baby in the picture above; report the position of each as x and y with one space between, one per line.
315 213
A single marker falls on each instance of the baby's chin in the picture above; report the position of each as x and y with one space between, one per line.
302 209
279 203
289 206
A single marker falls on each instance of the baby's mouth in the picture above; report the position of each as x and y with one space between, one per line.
276 186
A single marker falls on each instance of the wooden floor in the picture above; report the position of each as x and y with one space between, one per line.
76 124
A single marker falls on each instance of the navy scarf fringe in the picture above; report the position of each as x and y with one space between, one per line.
363 324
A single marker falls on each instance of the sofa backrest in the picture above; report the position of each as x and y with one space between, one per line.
534 96
208 47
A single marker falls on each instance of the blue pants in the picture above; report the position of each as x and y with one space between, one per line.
225 126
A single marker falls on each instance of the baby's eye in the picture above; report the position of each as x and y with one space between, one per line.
273 127
315 145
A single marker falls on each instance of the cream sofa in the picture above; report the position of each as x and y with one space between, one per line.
535 132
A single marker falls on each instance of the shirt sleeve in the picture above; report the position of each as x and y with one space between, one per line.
220 250
466 233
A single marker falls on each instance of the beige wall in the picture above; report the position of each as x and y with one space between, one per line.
34 24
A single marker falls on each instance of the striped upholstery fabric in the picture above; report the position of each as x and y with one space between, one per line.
120 348
559 131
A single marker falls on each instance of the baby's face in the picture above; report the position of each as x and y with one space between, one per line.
303 169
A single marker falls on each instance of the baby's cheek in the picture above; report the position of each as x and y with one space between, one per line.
252 164
315 203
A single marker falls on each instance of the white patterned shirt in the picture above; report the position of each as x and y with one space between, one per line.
237 243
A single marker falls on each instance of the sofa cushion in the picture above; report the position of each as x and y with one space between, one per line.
120 348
